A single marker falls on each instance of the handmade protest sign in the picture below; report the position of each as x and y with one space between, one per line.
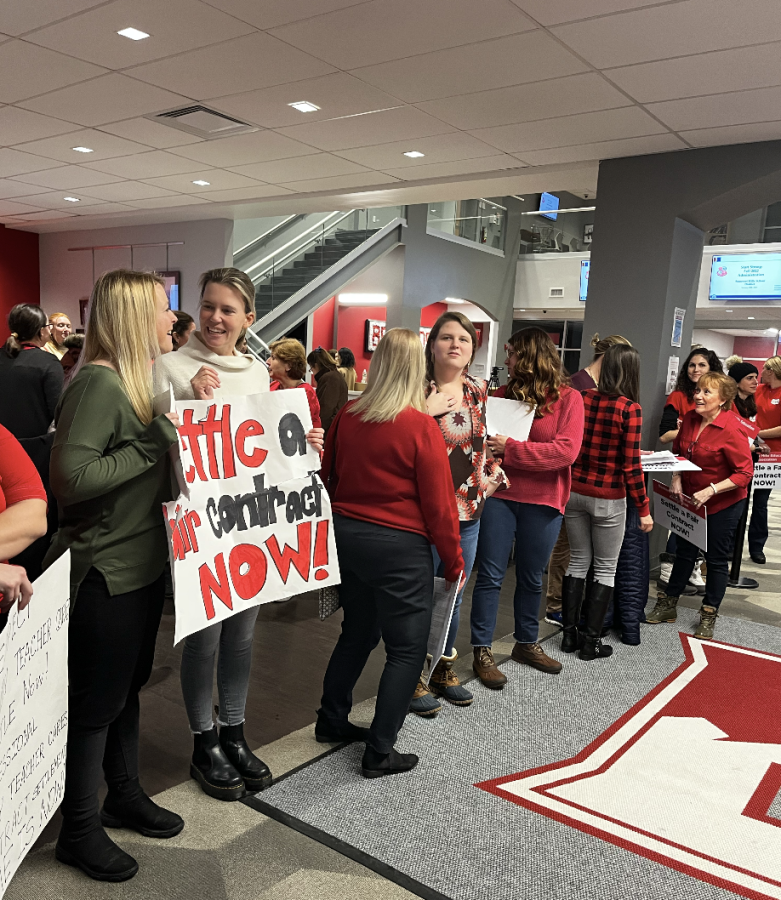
683 518
767 472
255 522
33 715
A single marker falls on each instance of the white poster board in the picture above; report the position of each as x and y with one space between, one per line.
33 715
509 417
255 525
682 518
441 617
767 472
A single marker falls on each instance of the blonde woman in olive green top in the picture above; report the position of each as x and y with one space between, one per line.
109 473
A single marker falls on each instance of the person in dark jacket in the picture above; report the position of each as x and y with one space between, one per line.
330 385
30 386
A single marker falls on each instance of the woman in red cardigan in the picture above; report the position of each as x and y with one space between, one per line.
530 510
387 472
607 468
717 444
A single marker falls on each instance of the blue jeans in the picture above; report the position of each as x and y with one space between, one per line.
535 529
469 534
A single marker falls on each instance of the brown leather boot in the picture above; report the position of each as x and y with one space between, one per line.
486 670
533 655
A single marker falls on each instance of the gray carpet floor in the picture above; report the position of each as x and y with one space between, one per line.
436 827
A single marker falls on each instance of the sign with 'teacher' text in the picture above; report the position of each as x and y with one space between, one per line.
253 522
681 517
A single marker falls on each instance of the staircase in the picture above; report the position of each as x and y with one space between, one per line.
279 286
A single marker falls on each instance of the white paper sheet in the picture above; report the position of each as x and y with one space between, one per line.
509 417
441 616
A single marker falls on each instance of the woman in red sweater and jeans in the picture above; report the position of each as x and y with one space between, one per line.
387 472
530 510
607 467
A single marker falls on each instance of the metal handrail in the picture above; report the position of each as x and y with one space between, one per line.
280 226
278 261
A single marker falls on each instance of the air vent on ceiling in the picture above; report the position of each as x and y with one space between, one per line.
203 122
556 292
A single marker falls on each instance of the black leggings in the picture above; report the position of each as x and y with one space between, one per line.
110 656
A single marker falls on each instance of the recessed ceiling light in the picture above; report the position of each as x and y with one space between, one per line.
727 310
454 300
304 106
521 310
83 149
133 33
363 299
751 317
71 199
202 183
414 154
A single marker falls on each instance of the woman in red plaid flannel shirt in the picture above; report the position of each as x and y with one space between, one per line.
607 467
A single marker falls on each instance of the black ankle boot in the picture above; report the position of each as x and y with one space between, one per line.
256 774
601 598
375 765
327 732
212 769
127 806
571 601
96 855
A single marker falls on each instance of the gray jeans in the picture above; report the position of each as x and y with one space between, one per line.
595 527
233 639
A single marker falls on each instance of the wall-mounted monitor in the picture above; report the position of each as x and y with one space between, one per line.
549 202
171 280
585 268
746 276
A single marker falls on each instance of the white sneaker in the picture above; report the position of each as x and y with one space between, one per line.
695 579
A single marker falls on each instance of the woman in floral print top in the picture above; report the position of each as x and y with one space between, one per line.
458 402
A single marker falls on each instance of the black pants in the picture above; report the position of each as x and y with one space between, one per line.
757 528
721 541
386 592
112 647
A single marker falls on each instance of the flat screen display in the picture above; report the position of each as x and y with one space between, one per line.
549 202
585 268
746 276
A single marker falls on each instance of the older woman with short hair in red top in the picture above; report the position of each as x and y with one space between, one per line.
386 469
717 443
607 467
768 400
530 510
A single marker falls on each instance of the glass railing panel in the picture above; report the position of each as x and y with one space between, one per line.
481 221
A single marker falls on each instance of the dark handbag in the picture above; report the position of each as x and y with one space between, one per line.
328 597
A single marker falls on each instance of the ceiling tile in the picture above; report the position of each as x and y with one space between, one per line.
655 143
243 149
403 123
322 165
173 26
705 73
391 29
254 61
522 103
56 200
105 99
14 208
253 193
152 164
517 59
20 125
67 178
554 12
338 94
733 134
18 18
161 137
218 180
672 29
49 215
340 182
740 108
103 209
612 124
128 190
165 202
103 146
10 189
12 162
265 14
440 149
27 70
459 167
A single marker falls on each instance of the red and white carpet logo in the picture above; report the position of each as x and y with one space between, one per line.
687 777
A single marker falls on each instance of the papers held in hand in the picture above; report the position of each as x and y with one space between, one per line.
664 461
509 417
441 616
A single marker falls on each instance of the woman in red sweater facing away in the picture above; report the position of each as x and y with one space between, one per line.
386 469
716 442
607 467
530 510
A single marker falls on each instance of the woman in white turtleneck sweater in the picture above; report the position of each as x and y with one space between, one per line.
223 763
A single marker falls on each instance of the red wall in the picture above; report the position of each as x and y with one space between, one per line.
19 275
755 349
430 314
323 326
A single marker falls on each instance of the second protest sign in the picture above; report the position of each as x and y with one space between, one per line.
681 517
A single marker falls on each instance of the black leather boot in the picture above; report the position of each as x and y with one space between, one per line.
601 598
96 855
375 765
212 769
571 601
127 806
256 774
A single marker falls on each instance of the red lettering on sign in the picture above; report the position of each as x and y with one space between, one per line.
219 585
248 429
211 426
189 432
321 551
228 462
192 520
298 558
249 583
176 540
